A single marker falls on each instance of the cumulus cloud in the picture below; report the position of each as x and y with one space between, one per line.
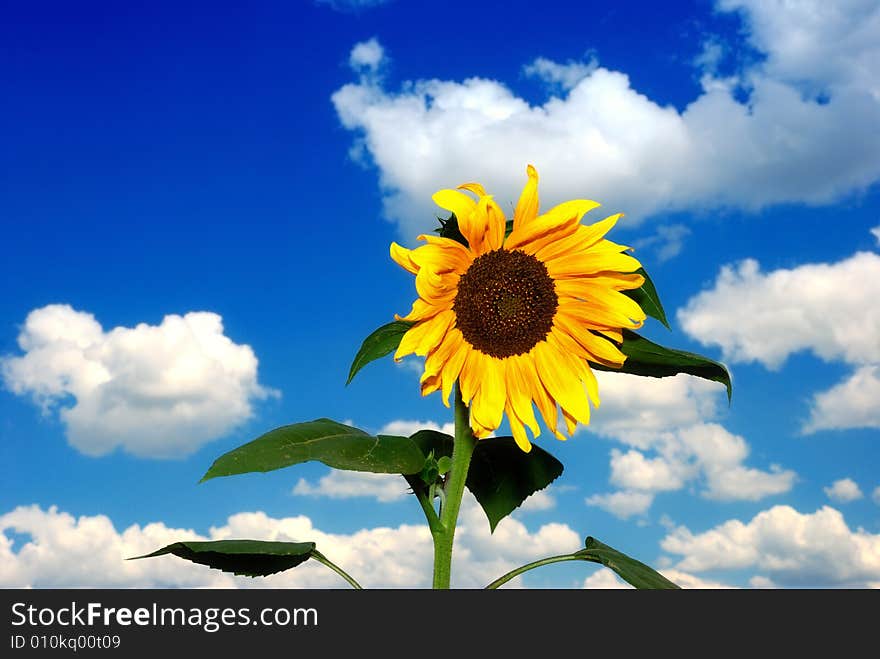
826 308
340 484
843 491
875 495
367 56
672 445
876 233
560 77
666 242
800 124
790 548
849 404
623 503
61 550
153 390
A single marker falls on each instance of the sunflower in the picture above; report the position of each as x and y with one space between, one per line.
517 320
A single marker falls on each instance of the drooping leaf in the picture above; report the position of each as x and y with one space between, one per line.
647 298
381 342
501 475
629 569
644 357
250 558
335 444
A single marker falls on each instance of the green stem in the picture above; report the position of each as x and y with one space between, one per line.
462 450
531 566
318 556
428 508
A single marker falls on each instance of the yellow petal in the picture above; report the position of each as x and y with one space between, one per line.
471 374
558 222
455 202
487 407
570 422
589 262
518 430
485 227
401 256
601 350
422 310
454 362
527 207
543 400
519 395
476 188
584 238
562 383
600 296
423 336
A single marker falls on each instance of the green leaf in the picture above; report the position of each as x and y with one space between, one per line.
647 298
250 558
644 357
381 342
324 440
630 570
501 475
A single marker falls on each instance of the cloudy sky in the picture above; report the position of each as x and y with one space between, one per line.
197 203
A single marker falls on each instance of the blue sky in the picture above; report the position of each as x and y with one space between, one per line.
196 207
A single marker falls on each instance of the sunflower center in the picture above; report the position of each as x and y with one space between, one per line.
505 303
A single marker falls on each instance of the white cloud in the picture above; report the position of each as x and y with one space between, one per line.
719 454
367 56
790 548
632 470
667 417
876 232
875 495
759 581
849 404
560 77
828 309
807 131
65 551
636 409
605 579
690 582
667 241
844 491
340 484
153 390
538 502
623 503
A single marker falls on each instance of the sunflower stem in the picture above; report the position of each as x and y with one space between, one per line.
462 450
